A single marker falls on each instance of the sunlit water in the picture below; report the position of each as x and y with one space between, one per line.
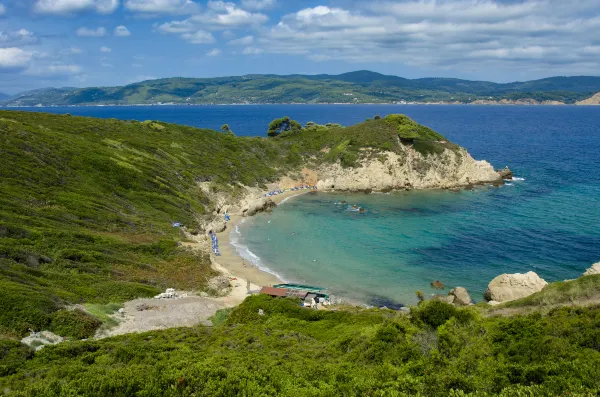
547 221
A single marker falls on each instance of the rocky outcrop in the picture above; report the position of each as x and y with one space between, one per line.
505 173
508 287
594 100
216 226
457 296
460 296
38 340
256 206
408 169
595 269
522 101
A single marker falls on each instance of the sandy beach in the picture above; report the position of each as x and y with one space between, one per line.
231 263
189 309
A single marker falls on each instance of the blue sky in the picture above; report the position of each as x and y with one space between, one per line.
114 42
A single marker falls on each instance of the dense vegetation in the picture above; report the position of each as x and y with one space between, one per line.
354 87
290 351
86 208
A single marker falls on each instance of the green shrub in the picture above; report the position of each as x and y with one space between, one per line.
74 323
13 355
434 313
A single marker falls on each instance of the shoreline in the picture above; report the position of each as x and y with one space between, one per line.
231 262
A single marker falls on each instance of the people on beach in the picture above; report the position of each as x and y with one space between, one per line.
215 243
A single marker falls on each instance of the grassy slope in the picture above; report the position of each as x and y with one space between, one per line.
582 291
292 351
86 208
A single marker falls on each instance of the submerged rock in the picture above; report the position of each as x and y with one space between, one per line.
437 284
508 287
595 269
461 296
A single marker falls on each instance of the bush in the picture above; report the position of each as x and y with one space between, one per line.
74 323
434 313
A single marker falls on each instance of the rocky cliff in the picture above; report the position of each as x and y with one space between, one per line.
407 170
594 100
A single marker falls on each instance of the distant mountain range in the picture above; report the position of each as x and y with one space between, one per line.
4 96
354 87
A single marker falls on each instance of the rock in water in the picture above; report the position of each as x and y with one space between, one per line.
508 287
461 296
506 173
595 269
437 284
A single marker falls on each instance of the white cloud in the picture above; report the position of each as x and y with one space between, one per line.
177 27
466 35
17 37
2 9
105 49
252 51
258 4
71 51
54 69
219 15
198 37
214 52
226 15
137 65
107 65
14 58
162 6
67 7
246 40
122 31
86 32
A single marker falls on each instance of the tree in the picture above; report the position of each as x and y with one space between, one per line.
225 128
283 124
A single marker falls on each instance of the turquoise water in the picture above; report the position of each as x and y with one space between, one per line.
548 222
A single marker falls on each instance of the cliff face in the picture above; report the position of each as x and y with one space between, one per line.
524 101
595 100
407 170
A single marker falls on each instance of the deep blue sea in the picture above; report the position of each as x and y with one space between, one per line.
547 221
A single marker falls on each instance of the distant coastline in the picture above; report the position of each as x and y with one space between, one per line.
475 103
359 87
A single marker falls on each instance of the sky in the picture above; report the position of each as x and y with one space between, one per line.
80 43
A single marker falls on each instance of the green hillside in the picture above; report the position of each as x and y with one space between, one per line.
353 87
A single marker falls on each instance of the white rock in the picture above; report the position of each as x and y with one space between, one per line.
259 205
461 296
595 269
508 287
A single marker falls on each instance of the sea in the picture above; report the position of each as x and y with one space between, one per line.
546 220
